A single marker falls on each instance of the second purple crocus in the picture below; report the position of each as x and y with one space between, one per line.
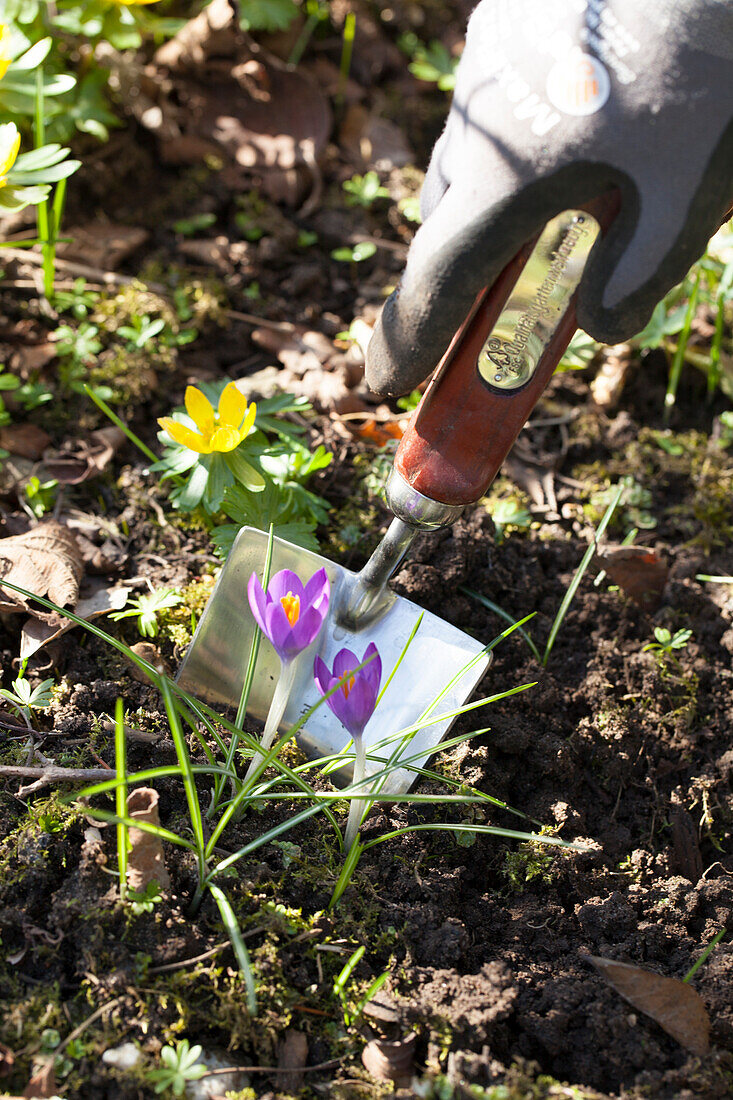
353 704
290 614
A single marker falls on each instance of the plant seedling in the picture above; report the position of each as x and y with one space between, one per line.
435 65
141 331
180 1064
364 190
146 608
41 496
667 643
339 987
25 699
364 250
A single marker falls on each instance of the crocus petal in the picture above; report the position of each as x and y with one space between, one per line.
232 406
283 582
344 661
257 600
225 439
305 630
355 708
185 436
200 410
318 590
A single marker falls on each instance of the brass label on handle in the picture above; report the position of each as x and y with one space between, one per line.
539 299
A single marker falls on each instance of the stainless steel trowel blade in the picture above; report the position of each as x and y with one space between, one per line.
215 664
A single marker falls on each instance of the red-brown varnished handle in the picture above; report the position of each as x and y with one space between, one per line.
477 401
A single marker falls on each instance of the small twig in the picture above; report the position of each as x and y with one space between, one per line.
90 1020
260 322
397 247
167 967
49 774
106 278
131 733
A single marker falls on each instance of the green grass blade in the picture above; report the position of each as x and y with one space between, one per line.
143 826
234 932
678 359
189 779
118 422
121 794
400 659
491 830
579 574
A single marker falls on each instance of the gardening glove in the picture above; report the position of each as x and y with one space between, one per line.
556 102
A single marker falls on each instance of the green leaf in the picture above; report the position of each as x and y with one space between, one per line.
267 15
243 470
16 198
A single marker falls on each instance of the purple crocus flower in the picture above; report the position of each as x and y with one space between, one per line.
354 702
290 613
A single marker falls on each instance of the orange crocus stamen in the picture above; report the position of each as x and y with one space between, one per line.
291 607
349 683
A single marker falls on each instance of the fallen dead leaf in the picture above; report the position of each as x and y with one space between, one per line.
29 359
390 1061
25 440
639 571
79 459
145 860
96 599
299 351
671 1003
46 561
371 431
102 245
42 1084
150 653
374 142
271 121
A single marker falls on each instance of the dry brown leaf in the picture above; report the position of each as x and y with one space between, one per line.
671 1003
97 599
374 142
390 1061
32 358
299 351
145 860
46 561
79 459
102 245
25 440
42 1084
639 571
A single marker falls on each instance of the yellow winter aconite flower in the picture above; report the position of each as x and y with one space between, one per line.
9 146
5 58
222 430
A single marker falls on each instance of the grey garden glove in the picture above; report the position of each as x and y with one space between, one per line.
557 101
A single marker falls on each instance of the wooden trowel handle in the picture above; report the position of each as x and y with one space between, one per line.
500 362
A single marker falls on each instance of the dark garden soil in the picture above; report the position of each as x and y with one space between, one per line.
485 941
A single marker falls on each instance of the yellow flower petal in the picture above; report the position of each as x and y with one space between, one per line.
9 146
200 409
185 436
225 439
232 406
4 50
248 422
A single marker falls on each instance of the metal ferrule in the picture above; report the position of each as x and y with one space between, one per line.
417 510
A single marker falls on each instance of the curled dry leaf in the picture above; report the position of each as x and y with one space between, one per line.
102 245
390 1061
672 1004
25 440
145 861
96 599
639 571
43 1083
79 459
46 561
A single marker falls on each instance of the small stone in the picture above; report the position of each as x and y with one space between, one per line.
122 1057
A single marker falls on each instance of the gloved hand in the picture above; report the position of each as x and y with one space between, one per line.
557 101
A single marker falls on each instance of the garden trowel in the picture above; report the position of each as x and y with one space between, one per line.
477 402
